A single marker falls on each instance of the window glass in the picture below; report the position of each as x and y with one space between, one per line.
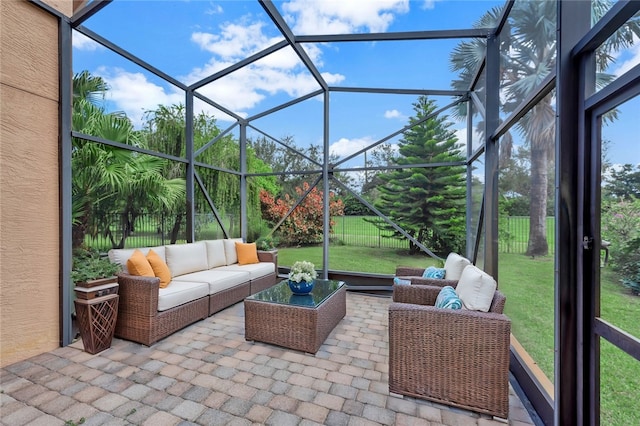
620 218
525 231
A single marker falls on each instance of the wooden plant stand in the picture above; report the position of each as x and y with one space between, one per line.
97 321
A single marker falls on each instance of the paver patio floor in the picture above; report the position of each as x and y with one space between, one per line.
207 374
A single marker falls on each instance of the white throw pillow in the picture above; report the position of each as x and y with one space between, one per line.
230 250
186 258
215 253
454 265
476 289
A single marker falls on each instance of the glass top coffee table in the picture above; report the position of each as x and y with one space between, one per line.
303 323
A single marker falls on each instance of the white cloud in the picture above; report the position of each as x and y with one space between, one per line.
235 40
394 114
626 65
82 42
134 94
340 17
215 9
345 147
244 89
429 4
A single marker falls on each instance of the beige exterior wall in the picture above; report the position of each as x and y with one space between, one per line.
29 205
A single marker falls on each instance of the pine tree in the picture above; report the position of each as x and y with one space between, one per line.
427 202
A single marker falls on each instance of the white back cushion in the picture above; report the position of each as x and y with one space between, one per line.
215 253
120 256
454 265
230 250
476 288
185 258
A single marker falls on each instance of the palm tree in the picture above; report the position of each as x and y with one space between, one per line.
528 54
106 179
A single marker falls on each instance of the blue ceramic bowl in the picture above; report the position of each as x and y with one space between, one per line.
303 287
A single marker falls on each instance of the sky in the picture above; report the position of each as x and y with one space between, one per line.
192 39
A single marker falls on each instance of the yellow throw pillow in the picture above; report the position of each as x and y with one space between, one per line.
247 253
138 264
160 268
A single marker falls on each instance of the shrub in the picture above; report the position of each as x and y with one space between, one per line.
89 265
621 227
304 226
266 243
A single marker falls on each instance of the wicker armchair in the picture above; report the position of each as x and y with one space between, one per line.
454 265
454 357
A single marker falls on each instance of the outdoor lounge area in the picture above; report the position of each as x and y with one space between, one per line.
208 374
222 143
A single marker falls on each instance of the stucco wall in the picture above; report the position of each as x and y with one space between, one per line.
29 222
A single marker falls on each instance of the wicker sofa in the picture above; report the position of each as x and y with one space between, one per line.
454 357
205 278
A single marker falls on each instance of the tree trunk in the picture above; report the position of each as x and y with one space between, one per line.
538 245
77 234
176 228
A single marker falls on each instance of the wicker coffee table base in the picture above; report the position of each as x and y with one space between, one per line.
294 327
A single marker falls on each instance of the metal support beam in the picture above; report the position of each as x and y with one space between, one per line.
286 105
620 12
536 95
251 59
65 148
218 106
207 197
469 167
130 56
387 220
427 92
214 140
572 381
491 156
128 147
87 11
190 190
280 23
325 199
243 182
397 36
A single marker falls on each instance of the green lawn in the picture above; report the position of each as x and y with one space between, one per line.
528 285
357 259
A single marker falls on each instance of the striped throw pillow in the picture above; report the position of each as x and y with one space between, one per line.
448 299
433 272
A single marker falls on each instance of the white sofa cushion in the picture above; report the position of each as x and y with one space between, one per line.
215 253
476 289
256 270
230 250
120 256
454 265
180 292
185 258
217 280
